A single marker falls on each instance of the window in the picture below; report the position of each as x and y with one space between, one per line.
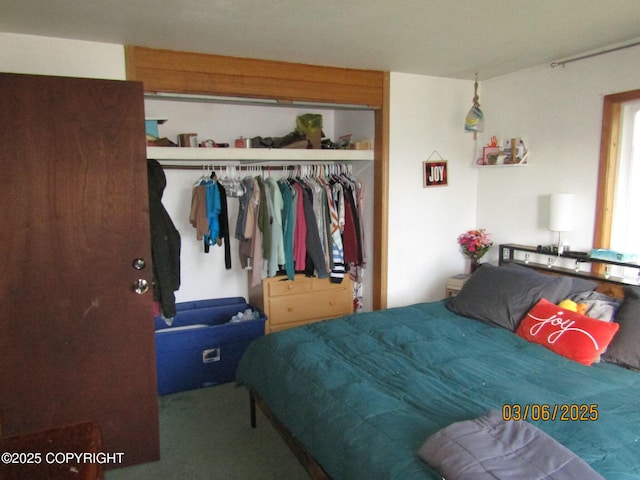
610 148
625 228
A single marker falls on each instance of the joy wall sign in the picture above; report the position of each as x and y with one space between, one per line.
434 173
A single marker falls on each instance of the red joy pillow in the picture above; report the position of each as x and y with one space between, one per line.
567 333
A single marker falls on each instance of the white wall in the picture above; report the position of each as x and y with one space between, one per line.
56 56
558 111
427 116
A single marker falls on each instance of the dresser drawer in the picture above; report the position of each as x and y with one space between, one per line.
286 310
277 288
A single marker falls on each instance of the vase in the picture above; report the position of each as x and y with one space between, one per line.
474 265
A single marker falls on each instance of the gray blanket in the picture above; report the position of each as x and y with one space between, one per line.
489 448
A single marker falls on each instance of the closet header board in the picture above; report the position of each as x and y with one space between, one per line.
196 73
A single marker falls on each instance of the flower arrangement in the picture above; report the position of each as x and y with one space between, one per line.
475 243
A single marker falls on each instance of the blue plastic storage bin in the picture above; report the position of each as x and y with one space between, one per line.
200 348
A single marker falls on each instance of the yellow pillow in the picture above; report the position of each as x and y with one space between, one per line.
580 308
569 305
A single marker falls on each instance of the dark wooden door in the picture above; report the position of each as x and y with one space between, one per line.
76 343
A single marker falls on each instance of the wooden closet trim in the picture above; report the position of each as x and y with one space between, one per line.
196 73
381 199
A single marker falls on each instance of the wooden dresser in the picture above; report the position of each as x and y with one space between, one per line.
290 303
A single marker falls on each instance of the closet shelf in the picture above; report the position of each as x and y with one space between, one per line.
258 154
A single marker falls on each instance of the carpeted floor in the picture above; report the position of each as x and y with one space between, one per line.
205 434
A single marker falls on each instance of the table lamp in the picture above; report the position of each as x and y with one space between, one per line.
560 214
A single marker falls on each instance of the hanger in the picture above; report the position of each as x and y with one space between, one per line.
202 178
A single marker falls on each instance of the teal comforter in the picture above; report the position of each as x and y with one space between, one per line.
364 392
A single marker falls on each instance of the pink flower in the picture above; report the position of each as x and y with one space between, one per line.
475 243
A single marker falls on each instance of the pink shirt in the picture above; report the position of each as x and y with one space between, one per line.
300 232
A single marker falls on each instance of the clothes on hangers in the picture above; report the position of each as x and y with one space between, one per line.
308 223
315 261
337 250
209 215
223 222
243 207
212 196
276 257
300 230
198 214
288 226
257 244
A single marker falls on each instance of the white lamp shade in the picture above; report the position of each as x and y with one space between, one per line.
561 212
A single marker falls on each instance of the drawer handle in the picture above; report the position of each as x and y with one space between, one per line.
289 309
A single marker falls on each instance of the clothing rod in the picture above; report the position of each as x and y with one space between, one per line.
595 54
246 167
224 167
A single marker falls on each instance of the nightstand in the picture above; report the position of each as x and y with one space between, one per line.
454 284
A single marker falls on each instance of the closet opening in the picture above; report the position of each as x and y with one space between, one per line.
293 85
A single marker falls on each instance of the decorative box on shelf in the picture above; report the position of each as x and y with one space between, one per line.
612 255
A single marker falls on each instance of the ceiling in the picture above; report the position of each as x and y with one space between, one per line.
454 38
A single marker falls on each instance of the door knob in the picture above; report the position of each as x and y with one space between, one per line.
138 263
140 286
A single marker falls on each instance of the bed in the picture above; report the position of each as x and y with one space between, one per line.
361 394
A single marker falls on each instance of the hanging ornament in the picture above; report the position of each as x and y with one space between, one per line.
475 118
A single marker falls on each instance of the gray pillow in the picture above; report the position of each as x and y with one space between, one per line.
502 296
625 347
582 285
490 448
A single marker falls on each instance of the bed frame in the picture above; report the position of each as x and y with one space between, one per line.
313 468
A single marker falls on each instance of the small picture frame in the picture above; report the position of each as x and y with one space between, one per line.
490 155
435 173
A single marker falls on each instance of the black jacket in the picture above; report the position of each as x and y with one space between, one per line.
165 243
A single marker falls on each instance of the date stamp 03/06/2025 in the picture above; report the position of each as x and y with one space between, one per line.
564 412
